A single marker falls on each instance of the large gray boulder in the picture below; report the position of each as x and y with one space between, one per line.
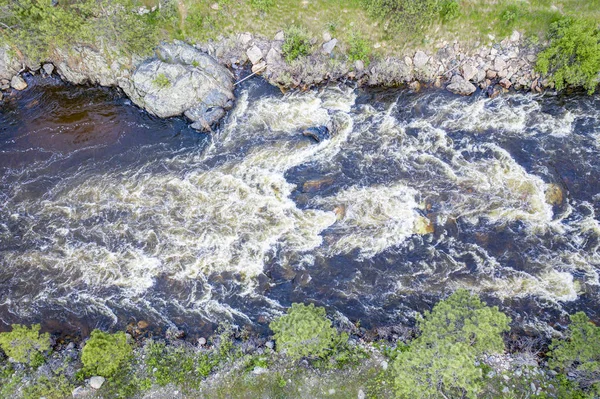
86 65
458 85
9 64
182 80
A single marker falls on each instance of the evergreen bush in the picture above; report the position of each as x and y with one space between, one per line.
104 353
296 43
25 345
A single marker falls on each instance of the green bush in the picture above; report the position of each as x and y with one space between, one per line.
104 353
573 56
442 360
296 43
359 49
25 345
305 332
579 353
510 14
177 365
56 387
405 15
262 5
449 9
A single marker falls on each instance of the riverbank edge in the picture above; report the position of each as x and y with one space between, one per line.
494 67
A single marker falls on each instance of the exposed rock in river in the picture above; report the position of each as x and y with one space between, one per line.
459 85
182 80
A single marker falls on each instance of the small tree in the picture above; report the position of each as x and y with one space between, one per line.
104 353
25 345
573 56
305 332
579 353
441 361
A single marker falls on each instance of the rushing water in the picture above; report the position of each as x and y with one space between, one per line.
108 215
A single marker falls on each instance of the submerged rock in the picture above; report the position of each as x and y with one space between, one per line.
317 133
182 80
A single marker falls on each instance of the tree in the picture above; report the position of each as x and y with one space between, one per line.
579 353
104 353
25 345
441 362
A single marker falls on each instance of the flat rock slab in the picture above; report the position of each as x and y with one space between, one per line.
182 80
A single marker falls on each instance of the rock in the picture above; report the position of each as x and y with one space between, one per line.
174 333
18 83
279 36
81 65
81 392
245 38
254 54
1 96
359 65
494 91
201 341
9 65
384 365
502 73
499 64
515 37
531 58
316 185
361 394
491 74
182 80
329 46
96 382
326 36
414 86
317 133
554 194
460 86
408 61
4 84
142 324
468 71
259 67
48 69
505 83
214 6
259 370
420 59
423 226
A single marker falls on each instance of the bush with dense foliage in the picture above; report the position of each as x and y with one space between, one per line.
305 332
25 345
104 353
296 43
411 15
579 353
443 358
359 49
573 56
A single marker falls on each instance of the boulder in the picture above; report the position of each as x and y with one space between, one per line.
468 71
182 80
245 38
459 85
9 64
505 83
499 64
254 54
256 68
317 133
279 36
329 46
96 382
48 69
81 65
420 59
18 83
274 57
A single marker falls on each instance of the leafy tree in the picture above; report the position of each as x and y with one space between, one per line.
305 332
25 345
104 353
579 353
573 56
441 362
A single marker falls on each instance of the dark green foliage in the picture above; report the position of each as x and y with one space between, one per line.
450 9
409 16
579 353
573 56
296 44
510 14
441 361
305 332
56 387
25 345
359 49
104 353
262 5
177 365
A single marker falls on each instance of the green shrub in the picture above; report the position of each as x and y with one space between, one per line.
573 56
510 14
305 332
449 9
405 15
262 5
296 43
161 81
104 353
442 360
176 365
359 49
579 353
25 345
56 387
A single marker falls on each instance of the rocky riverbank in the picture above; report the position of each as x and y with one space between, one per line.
196 81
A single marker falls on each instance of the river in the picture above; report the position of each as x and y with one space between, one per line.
109 216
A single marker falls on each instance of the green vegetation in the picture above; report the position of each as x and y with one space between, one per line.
296 43
359 49
25 345
411 16
580 352
457 332
263 5
161 81
573 56
56 387
104 354
305 332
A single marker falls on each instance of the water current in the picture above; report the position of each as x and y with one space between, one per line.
109 215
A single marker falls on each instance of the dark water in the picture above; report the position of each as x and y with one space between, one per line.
109 216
